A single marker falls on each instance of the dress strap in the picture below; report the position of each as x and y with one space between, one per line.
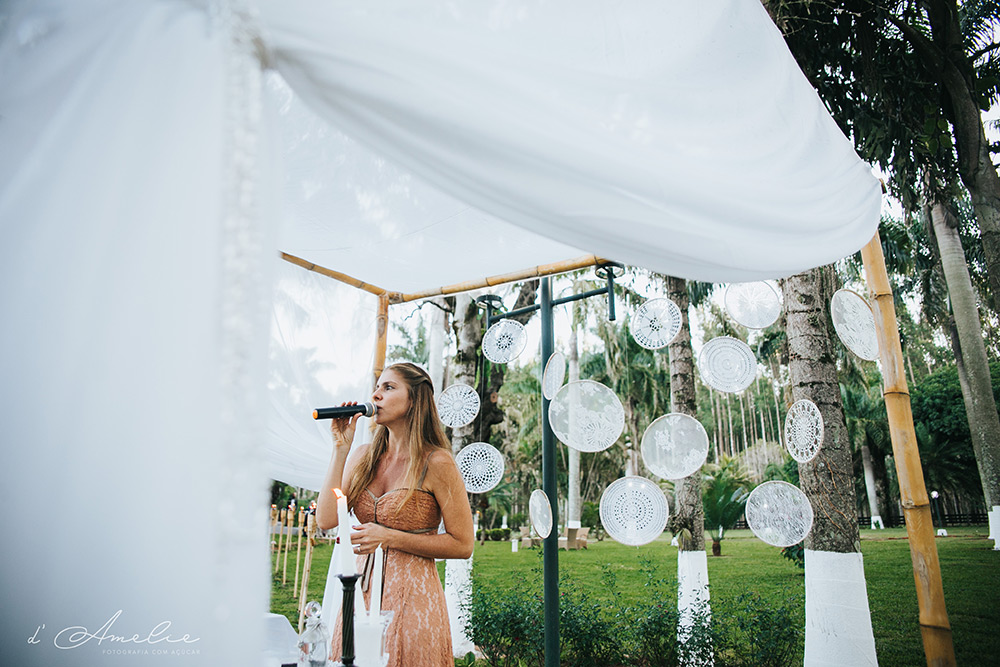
427 464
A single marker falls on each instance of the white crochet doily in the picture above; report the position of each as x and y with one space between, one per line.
803 430
587 416
674 446
504 341
755 305
540 512
481 465
779 513
554 374
655 323
854 322
727 364
633 510
458 405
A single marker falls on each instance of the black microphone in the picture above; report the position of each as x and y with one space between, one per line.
364 409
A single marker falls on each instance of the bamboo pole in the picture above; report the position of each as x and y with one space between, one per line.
288 531
298 552
281 533
307 567
381 338
934 626
336 275
492 281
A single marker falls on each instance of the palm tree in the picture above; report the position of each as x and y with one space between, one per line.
725 487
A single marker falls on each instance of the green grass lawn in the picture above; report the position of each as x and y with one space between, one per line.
968 564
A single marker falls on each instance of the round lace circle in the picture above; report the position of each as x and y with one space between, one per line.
540 512
803 430
755 305
674 446
727 364
554 374
481 465
504 341
586 416
854 322
458 405
655 323
633 510
779 513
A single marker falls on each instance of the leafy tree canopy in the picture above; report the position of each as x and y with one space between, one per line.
937 403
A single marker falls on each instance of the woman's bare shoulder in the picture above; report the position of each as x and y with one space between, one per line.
440 457
356 455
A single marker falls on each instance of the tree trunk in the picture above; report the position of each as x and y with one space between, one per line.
435 348
981 409
866 462
828 479
946 58
690 512
692 563
465 366
838 619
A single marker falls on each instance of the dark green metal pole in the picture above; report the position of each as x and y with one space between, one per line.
550 557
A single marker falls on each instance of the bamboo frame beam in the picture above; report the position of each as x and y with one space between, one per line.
336 275
467 286
934 626
492 281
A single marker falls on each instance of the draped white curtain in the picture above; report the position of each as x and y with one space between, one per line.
138 243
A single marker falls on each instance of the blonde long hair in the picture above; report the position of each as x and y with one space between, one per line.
426 435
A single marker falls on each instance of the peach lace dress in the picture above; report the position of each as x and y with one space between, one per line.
420 633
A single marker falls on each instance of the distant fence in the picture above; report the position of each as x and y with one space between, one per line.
952 519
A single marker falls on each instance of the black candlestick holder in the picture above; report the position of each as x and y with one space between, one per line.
347 620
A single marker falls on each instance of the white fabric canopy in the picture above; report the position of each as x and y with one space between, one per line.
139 207
680 137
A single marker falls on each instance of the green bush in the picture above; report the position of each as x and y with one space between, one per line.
507 624
753 633
796 553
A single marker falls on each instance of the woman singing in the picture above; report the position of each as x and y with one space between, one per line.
400 486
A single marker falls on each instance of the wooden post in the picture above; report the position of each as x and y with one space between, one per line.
274 522
381 339
307 567
298 552
934 626
288 543
281 533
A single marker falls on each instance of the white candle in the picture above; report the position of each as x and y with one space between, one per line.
347 564
367 644
375 613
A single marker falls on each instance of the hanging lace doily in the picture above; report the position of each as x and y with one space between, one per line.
540 512
727 364
755 305
458 405
634 510
586 416
674 446
779 513
803 430
655 323
554 374
504 341
481 465
854 322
